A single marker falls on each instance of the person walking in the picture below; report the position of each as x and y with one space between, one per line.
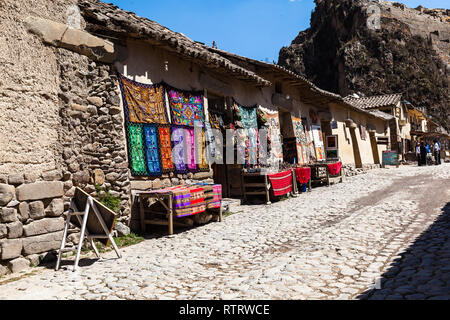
419 160
423 154
437 152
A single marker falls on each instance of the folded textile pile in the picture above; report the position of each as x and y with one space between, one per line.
281 183
303 174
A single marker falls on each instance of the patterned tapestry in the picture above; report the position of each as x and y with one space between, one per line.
178 149
136 149
211 143
273 121
310 150
200 145
216 120
249 117
152 149
301 140
252 146
190 145
143 103
166 148
186 108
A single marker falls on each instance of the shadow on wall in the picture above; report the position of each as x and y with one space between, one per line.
423 271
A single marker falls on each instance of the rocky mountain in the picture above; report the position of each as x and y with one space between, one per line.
377 47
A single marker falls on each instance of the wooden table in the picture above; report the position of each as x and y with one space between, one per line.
165 199
263 183
316 177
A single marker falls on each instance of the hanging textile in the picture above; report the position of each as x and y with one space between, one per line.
281 183
216 120
136 149
166 148
273 134
178 138
300 136
303 175
211 143
252 146
249 117
152 149
335 168
309 144
186 108
200 145
190 145
143 103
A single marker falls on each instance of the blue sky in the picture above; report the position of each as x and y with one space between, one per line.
252 28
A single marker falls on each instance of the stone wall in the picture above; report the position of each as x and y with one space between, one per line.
62 127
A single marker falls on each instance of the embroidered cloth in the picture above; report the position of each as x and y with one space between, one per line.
143 103
200 145
165 148
281 183
186 108
190 146
136 149
249 117
152 149
178 149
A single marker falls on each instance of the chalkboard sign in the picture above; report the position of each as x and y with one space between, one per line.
390 158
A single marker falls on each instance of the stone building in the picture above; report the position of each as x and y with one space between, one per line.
400 126
362 134
62 119
62 122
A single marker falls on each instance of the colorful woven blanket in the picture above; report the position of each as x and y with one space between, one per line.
217 196
152 149
186 108
198 204
303 174
281 183
190 145
335 168
178 149
213 195
165 149
143 103
249 117
136 149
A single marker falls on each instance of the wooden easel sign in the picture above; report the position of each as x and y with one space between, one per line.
95 222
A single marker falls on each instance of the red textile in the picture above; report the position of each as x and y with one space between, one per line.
281 183
303 174
335 168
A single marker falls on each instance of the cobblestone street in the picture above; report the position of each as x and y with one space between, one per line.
389 228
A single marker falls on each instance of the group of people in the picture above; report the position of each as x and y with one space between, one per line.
425 153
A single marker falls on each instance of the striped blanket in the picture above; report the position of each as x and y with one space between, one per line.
281 183
198 204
